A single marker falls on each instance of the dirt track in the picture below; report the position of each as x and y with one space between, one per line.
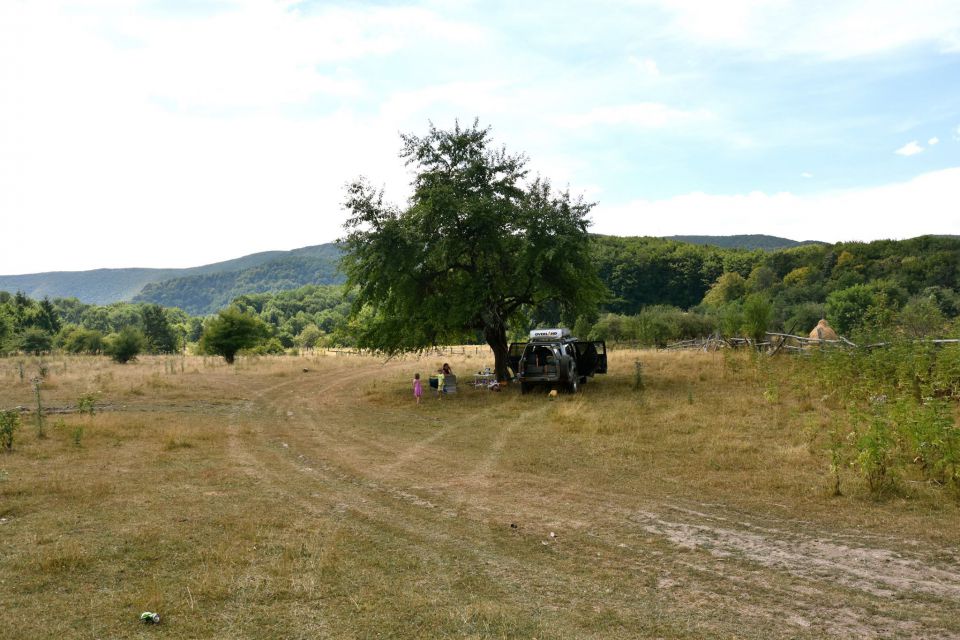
714 567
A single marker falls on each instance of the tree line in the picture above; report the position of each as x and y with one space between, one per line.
656 291
307 317
662 291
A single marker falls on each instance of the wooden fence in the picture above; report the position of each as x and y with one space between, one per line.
787 342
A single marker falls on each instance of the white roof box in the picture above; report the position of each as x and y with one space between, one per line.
550 334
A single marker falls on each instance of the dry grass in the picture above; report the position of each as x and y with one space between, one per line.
262 501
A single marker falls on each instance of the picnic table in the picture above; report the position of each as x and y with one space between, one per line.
484 380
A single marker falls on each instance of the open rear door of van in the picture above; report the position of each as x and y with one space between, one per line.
514 355
591 357
601 348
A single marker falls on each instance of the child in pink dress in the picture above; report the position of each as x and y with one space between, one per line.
417 387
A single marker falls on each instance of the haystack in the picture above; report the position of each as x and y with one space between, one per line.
823 331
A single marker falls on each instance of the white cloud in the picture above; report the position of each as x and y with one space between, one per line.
646 115
951 43
646 66
933 141
923 205
909 149
246 55
806 174
834 30
467 97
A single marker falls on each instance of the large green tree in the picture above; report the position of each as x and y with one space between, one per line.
478 248
230 331
161 337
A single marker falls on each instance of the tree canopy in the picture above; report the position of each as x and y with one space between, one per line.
478 248
230 331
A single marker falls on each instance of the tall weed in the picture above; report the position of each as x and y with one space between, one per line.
875 451
9 423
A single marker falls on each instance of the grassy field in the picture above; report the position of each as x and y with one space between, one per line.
310 498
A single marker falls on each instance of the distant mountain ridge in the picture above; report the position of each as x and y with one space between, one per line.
207 293
104 286
751 241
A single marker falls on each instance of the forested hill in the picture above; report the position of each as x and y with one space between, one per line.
801 283
205 294
755 241
105 286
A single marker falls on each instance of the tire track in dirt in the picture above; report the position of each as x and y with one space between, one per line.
878 571
383 505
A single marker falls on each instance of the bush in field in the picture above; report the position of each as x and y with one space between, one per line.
231 331
35 341
875 452
757 314
9 423
653 328
80 340
657 325
126 345
87 403
932 437
693 325
612 327
730 319
271 346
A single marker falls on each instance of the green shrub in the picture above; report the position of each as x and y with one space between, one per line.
875 452
87 403
80 340
35 341
757 314
273 346
933 438
126 345
230 331
9 423
920 318
308 337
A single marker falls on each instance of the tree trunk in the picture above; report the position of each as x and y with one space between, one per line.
496 337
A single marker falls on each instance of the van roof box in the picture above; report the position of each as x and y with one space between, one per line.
550 334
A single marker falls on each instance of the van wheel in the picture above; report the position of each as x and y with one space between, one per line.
574 382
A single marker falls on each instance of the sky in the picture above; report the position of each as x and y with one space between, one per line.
175 133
